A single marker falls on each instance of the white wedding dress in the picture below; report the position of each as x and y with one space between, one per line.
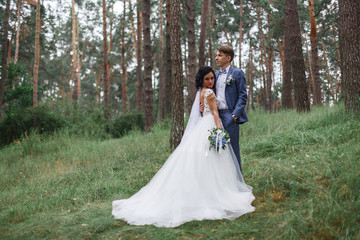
194 183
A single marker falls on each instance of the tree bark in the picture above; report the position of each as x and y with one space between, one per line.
148 97
311 80
286 97
3 54
270 67
202 39
190 78
168 68
314 55
123 66
105 66
262 53
160 114
240 31
139 75
328 72
74 48
36 61
177 123
297 59
349 38
18 31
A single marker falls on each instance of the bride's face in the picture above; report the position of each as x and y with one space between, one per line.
209 80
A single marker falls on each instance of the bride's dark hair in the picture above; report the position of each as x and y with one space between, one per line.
200 76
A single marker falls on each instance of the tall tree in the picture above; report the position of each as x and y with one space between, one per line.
3 53
36 60
202 39
148 97
139 75
105 65
297 59
269 63
168 68
190 78
349 39
314 54
75 66
177 123
240 31
286 96
18 31
262 54
160 115
123 66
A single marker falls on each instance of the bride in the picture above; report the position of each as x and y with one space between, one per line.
194 183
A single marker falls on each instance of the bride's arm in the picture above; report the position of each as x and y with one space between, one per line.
213 107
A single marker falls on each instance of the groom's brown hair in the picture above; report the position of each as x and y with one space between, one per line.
227 50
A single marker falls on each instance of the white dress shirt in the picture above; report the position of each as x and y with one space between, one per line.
220 89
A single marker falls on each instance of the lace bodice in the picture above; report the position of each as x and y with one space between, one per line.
207 110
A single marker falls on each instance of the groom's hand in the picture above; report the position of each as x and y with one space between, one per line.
201 107
234 117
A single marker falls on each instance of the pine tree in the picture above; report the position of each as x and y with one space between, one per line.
349 38
177 123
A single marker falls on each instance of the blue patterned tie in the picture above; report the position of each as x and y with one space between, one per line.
222 72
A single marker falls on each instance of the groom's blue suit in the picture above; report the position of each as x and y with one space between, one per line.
236 98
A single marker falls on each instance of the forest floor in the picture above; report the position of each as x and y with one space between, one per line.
304 169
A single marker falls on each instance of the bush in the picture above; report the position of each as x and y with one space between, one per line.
91 123
15 124
127 122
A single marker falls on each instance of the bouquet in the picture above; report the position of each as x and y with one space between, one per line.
218 138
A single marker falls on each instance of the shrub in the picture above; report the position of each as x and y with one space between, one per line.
127 122
15 124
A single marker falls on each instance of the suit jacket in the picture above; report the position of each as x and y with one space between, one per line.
236 93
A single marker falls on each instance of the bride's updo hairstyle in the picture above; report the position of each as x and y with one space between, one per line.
200 76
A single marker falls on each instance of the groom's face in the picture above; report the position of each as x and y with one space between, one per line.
222 60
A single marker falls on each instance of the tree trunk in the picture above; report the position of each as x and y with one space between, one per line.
202 39
139 75
105 66
240 31
74 47
78 64
262 52
270 59
250 79
123 66
148 97
286 97
297 59
18 31
177 123
328 72
349 38
190 78
314 55
311 81
211 51
168 68
133 33
3 54
36 60
160 115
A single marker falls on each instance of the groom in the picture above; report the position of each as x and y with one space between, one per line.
230 89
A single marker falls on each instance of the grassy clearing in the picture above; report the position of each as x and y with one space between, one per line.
304 169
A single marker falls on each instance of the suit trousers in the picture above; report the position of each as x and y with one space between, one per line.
233 130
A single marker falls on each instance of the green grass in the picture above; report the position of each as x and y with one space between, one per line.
304 169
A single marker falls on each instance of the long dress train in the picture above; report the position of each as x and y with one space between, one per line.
194 183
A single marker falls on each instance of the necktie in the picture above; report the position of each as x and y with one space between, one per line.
222 72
